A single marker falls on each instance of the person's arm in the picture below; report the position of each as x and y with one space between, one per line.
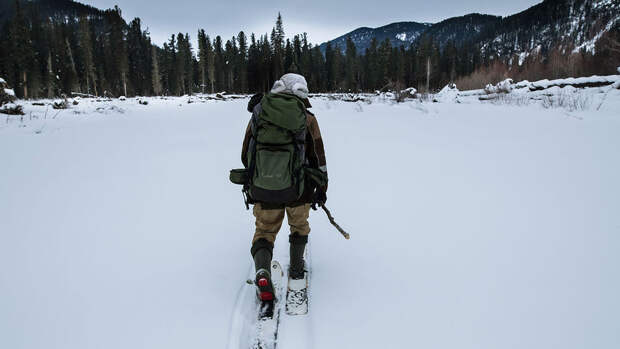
254 101
319 149
246 144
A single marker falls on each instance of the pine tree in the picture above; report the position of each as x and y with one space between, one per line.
267 75
86 53
317 78
372 66
219 63
253 65
181 60
72 76
51 77
289 58
242 64
229 56
189 64
305 66
139 54
351 65
155 75
210 56
331 67
118 50
202 58
21 50
172 76
277 46
297 51
36 70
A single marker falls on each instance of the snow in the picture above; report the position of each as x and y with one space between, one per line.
2 81
545 83
447 93
8 106
9 92
473 225
504 86
402 36
410 91
522 57
590 45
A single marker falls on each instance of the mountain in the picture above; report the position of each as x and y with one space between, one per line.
6 11
463 29
566 25
571 24
400 33
49 8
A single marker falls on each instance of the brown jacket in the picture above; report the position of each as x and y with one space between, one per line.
315 152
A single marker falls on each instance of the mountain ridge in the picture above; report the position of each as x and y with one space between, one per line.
404 32
550 23
50 8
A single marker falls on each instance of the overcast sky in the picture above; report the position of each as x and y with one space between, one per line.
321 19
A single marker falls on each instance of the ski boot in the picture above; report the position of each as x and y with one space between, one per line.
296 270
297 291
262 252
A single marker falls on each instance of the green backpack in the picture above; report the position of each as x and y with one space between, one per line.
276 153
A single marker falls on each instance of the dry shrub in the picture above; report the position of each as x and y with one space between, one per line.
495 72
567 100
517 99
12 109
559 62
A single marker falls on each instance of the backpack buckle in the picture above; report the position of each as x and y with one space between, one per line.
245 197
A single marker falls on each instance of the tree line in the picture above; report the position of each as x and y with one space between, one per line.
100 54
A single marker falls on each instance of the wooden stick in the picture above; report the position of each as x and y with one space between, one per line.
333 222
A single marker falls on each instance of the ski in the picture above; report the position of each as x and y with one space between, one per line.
268 314
297 296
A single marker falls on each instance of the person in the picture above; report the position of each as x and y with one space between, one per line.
269 209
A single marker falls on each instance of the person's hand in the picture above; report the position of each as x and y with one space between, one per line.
319 197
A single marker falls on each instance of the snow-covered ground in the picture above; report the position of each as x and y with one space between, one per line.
473 226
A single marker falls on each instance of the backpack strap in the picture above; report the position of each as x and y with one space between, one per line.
253 139
252 158
300 150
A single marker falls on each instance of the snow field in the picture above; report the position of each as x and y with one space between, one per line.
472 226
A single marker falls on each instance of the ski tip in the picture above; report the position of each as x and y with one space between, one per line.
276 270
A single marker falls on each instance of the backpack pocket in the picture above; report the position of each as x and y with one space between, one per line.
239 176
273 169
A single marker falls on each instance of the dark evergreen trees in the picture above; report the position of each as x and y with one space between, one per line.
85 50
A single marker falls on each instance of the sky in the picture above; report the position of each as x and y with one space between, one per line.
323 20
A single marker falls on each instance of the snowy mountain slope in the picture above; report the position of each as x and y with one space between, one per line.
473 226
50 8
571 25
462 29
400 33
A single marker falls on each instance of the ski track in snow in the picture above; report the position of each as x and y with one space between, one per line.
294 330
297 331
473 226
241 319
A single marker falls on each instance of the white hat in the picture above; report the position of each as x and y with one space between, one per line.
291 83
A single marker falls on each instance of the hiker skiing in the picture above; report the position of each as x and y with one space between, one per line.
285 172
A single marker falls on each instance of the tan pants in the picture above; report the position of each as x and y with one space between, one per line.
268 222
